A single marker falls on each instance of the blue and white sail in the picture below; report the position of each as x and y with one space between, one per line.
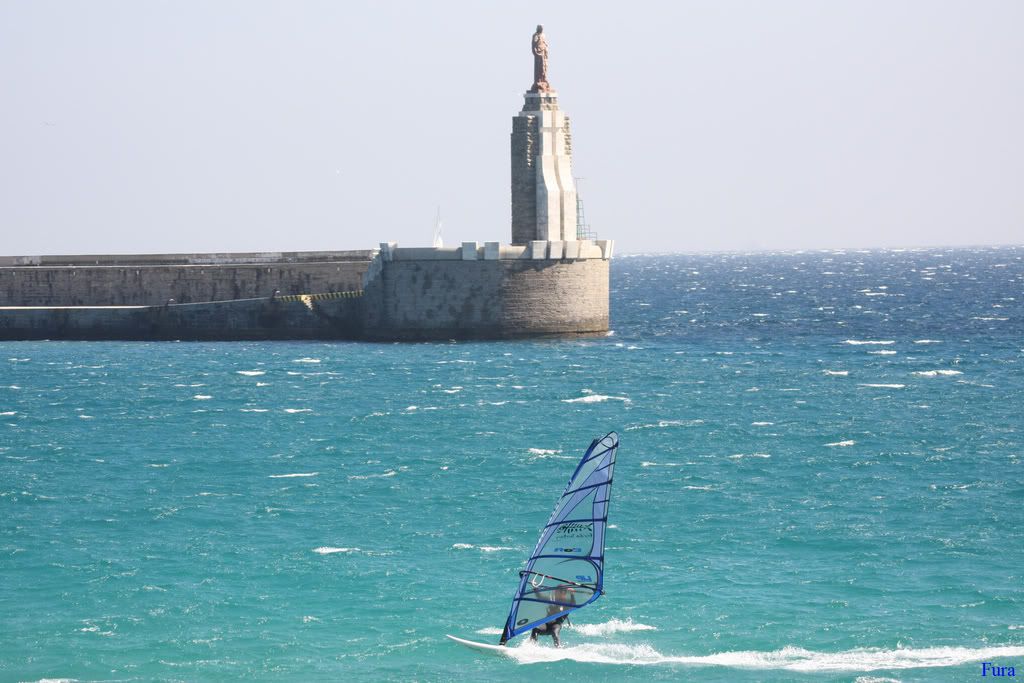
566 569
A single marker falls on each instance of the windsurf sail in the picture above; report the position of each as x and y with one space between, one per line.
566 569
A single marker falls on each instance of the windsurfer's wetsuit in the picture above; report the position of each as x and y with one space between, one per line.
551 629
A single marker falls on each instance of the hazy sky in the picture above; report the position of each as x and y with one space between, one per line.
143 126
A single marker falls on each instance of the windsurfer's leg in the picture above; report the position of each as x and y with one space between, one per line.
533 635
555 628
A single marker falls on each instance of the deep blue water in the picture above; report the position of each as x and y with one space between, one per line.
821 477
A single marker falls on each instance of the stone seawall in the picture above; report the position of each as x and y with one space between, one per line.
420 299
469 292
148 280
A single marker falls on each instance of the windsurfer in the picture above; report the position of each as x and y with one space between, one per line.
563 597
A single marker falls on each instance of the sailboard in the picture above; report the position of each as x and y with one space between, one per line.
565 571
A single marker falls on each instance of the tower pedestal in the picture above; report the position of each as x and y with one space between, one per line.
543 190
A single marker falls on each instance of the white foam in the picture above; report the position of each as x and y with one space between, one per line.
595 398
786 659
859 342
543 451
494 548
306 360
761 424
884 352
328 550
298 410
251 373
841 444
750 455
927 341
253 410
884 386
389 473
202 397
837 373
291 476
489 631
662 424
263 384
937 373
8 413
463 546
609 627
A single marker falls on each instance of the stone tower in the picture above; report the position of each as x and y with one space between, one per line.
543 190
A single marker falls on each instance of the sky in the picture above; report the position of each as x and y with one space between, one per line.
149 126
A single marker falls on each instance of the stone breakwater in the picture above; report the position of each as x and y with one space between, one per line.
474 291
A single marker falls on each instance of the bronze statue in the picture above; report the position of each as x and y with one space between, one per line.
540 62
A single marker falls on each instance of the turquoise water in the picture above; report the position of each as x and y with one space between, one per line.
821 477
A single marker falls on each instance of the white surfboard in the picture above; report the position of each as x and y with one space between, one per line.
482 647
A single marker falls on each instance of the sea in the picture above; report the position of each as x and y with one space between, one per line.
820 478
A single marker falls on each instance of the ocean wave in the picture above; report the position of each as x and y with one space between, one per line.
663 424
8 413
202 397
738 456
251 373
328 550
489 631
837 373
859 342
937 373
927 341
610 627
291 476
761 424
883 352
298 410
544 451
595 398
884 386
786 659
306 360
482 548
382 475
840 444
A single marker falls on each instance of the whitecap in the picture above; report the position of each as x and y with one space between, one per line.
786 659
489 631
328 550
298 410
202 397
841 444
761 424
251 373
253 410
610 627
662 424
544 451
749 455
927 341
8 413
389 473
937 373
291 476
884 352
595 398
306 360
494 548
884 386
462 546
859 342
263 384
838 373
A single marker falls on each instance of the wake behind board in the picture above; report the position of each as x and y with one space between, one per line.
482 647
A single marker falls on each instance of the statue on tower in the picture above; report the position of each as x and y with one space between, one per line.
540 62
